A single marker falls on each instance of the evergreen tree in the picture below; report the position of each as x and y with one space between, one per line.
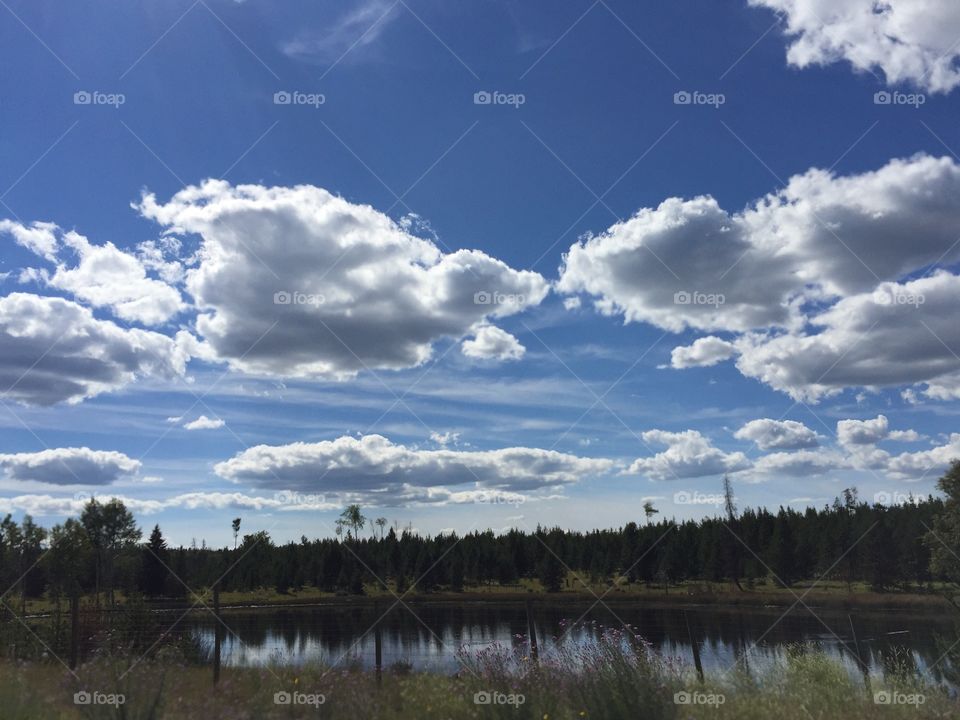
155 563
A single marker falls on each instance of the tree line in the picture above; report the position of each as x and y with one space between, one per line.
906 546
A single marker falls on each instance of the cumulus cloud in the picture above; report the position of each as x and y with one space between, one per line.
204 423
103 275
298 282
863 432
68 466
492 343
770 434
39 237
689 454
691 264
54 350
910 41
802 463
704 352
925 463
382 472
864 341
904 435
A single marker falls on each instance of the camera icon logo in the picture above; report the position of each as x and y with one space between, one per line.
884 697
682 98
882 297
482 698
682 698
282 698
482 98
282 298
681 298
82 97
82 698
482 298
282 97
882 97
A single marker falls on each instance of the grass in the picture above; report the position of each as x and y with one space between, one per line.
615 678
826 593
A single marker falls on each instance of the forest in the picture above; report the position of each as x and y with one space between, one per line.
103 551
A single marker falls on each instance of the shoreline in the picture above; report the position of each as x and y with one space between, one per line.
925 603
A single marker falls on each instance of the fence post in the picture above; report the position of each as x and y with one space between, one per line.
378 642
217 634
74 628
532 631
856 645
695 646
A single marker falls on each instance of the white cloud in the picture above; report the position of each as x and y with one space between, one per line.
925 463
385 473
802 463
297 282
689 263
69 466
447 438
39 238
704 352
346 36
770 434
910 41
103 276
204 423
904 435
492 343
689 454
864 343
52 506
53 350
863 432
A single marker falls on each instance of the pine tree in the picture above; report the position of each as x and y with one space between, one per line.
155 564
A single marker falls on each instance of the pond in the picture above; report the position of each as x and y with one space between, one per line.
428 635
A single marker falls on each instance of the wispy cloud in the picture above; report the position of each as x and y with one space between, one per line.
351 33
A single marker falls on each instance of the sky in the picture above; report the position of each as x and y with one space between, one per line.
475 265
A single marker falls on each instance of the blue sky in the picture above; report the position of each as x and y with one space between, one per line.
406 395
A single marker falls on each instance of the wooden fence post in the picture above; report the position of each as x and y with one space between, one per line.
217 637
532 631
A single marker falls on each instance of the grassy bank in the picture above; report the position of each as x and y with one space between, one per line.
826 594
616 678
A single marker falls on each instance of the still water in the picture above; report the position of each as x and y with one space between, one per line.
428 636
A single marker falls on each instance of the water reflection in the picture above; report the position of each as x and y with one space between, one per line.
428 635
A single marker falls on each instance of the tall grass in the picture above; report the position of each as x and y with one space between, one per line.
616 677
